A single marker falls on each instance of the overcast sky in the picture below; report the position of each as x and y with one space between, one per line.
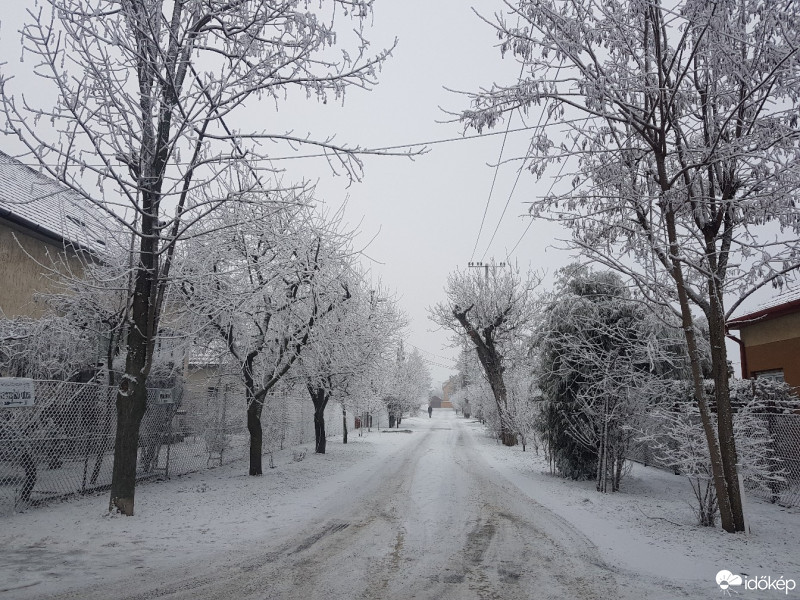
428 212
425 215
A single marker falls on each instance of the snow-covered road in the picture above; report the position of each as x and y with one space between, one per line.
439 513
427 518
436 523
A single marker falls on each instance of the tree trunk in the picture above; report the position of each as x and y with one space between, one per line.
132 393
256 435
507 435
714 451
254 408
344 425
319 396
131 407
492 362
722 396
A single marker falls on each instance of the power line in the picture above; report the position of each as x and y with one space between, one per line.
356 150
432 354
514 187
519 173
491 189
505 208
552 185
530 222
494 177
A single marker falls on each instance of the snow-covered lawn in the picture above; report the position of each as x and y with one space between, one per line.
647 529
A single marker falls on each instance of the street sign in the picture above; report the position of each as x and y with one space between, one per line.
16 391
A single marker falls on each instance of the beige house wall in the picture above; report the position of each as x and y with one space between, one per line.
24 261
779 329
198 380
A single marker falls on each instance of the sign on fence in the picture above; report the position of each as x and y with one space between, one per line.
16 391
164 396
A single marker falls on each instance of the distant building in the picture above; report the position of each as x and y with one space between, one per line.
448 389
769 341
435 402
43 225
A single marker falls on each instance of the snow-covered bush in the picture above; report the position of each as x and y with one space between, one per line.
46 348
675 436
597 349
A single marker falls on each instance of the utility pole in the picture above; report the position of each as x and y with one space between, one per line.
494 266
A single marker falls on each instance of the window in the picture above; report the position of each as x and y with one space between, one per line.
771 375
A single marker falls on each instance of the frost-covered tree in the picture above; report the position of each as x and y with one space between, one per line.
469 373
49 347
411 382
490 311
679 124
368 392
261 279
479 398
82 330
374 380
525 403
346 345
96 302
146 92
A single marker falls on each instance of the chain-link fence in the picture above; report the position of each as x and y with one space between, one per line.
64 443
783 440
784 435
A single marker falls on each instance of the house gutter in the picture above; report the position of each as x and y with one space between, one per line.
25 224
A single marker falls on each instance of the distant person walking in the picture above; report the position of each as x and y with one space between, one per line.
430 411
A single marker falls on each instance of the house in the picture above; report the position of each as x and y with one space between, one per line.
448 389
213 389
44 226
769 340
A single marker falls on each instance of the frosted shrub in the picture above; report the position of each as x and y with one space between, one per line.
216 438
599 348
675 435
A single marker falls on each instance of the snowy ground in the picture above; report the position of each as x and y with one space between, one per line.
442 512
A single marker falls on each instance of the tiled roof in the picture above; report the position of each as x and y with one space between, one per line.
37 202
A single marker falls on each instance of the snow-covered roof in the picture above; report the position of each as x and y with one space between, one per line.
211 354
40 204
784 303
